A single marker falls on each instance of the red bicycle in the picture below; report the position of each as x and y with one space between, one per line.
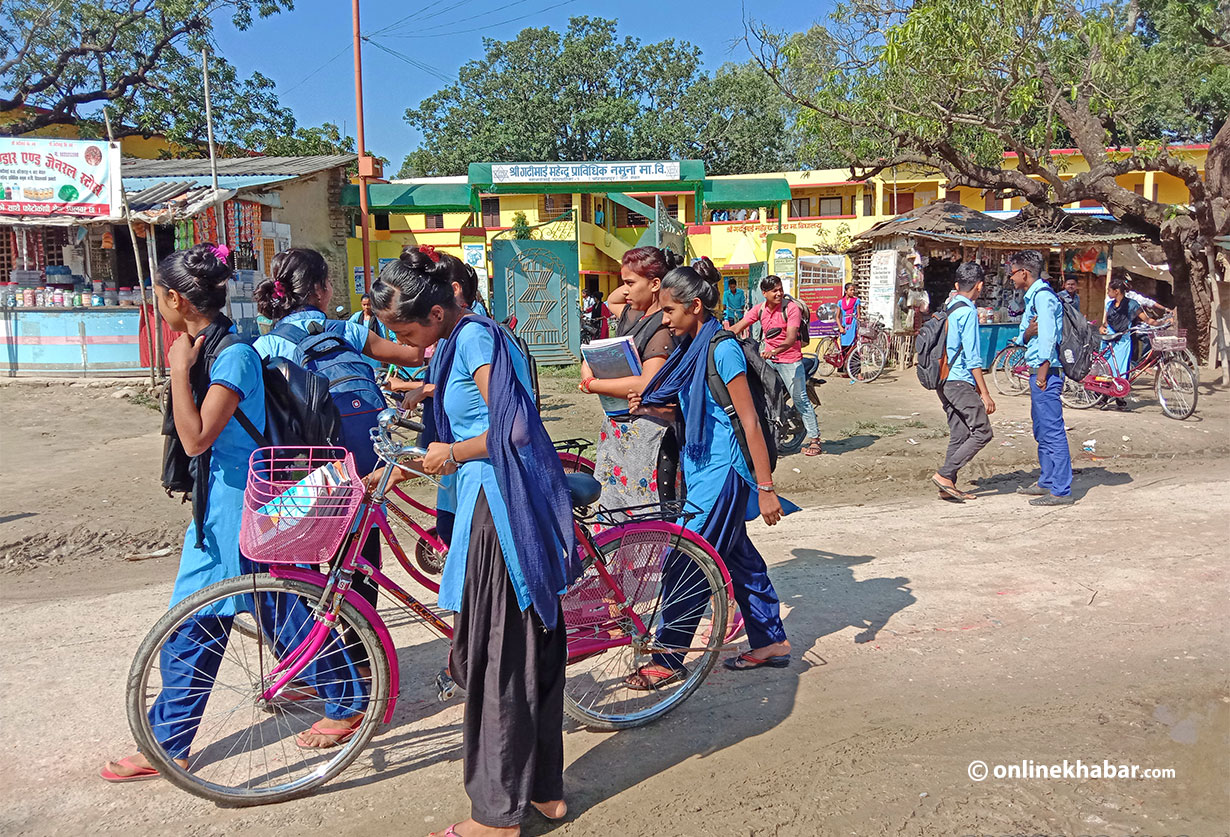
1175 382
863 360
320 652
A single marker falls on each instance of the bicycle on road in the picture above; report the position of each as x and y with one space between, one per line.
322 652
1175 381
863 360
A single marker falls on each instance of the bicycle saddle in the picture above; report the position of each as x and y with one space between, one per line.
585 490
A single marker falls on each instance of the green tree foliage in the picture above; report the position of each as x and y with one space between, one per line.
951 85
141 59
586 94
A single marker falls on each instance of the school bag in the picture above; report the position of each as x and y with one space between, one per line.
322 348
769 396
1077 342
804 335
931 346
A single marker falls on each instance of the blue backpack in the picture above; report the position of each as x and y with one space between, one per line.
322 348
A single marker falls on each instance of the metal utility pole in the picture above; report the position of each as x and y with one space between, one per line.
213 154
364 166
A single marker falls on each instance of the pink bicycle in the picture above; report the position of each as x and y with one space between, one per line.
321 654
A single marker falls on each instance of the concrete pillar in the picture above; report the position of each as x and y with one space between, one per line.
879 207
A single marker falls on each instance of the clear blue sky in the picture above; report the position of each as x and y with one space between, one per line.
316 37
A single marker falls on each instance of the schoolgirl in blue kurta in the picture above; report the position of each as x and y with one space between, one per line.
721 485
847 315
512 552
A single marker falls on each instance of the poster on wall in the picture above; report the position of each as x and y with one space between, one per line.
359 288
883 284
476 257
59 177
820 280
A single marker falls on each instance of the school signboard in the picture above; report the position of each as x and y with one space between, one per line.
882 287
583 172
59 177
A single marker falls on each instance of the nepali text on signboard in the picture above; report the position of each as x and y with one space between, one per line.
582 172
882 287
59 177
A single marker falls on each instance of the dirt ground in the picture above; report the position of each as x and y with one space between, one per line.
926 635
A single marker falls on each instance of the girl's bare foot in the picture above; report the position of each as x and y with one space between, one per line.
555 810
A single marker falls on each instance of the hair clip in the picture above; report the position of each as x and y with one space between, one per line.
279 290
221 251
430 252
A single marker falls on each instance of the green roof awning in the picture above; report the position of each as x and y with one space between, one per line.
691 176
406 197
746 193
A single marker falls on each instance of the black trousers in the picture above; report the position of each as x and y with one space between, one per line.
969 428
512 670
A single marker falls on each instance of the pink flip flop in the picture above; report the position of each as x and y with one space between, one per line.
451 831
141 772
343 734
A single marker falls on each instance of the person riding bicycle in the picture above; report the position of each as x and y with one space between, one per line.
1121 314
780 324
513 549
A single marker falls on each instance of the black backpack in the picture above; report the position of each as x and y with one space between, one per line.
931 346
299 411
769 395
1078 343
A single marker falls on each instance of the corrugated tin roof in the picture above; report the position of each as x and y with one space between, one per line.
239 166
948 221
160 191
137 184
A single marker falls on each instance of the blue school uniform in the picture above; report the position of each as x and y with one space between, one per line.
468 417
1119 346
722 487
238 369
271 345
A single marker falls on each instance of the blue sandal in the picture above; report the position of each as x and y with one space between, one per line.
746 661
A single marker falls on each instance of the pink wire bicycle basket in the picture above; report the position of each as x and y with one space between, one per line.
298 505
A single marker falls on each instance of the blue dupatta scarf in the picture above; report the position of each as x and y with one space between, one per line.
527 468
688 366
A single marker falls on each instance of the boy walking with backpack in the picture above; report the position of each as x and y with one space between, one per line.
781 324
963 391
1042 327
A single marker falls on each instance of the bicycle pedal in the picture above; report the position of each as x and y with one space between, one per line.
446 688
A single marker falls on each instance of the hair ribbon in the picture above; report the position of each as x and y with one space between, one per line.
430 252
221 251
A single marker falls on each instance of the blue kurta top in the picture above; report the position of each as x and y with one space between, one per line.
705 477
237 368
1040 302
1119 346
468 416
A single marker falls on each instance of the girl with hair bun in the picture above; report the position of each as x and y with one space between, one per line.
512 552
214 377
727 489
637 459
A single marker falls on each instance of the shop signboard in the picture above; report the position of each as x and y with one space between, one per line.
59 177
882 287
583 172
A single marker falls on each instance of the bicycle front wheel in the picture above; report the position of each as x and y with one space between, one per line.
1176 389
650 598
866 361
1076 395
196 691
826 352
1003 371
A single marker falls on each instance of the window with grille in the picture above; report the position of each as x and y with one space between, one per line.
672 207
625 217
993 201
491 212
829 206
8 253
382 220
54 239
587 208
869 203
552 206
434 221
800 207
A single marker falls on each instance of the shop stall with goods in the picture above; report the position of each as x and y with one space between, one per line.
909 265
75 291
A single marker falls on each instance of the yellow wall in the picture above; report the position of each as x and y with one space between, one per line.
149 148
719 240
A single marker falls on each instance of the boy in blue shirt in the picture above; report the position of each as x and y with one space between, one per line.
964 394
1041 329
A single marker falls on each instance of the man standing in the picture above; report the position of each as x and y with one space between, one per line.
964 394
1041 329
1069 294
780 324
734 301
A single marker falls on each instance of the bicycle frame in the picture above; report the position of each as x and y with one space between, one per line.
338 580
1116 385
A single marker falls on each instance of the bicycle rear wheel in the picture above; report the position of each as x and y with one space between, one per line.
1007 382
1075 394
195 681
676 591
1175 388
866 361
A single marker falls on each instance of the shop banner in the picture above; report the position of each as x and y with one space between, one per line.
882 289
820 281
59 177
582 172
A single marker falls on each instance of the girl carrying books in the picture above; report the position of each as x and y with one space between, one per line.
720 482
512 552
637 460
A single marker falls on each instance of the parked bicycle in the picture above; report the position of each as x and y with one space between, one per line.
1175 381
1009 370
863 360
321 652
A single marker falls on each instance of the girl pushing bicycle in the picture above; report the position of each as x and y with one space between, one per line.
513 548
720 482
